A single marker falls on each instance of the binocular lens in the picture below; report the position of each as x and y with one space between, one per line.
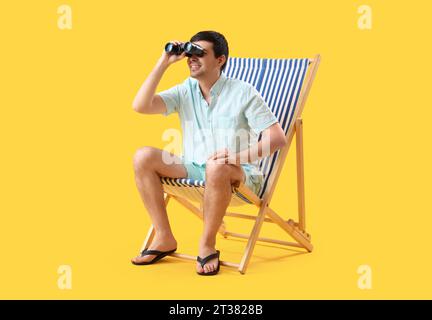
189 48
173 48
168 47
193 49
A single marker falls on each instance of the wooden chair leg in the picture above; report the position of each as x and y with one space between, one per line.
252 240
151 231
300 173
148 239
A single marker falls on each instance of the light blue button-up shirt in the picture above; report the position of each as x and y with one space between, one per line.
233 120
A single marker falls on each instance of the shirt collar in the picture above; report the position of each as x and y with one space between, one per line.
217 86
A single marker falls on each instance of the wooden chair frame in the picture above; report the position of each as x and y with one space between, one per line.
297 230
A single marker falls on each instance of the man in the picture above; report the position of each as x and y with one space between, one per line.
207 102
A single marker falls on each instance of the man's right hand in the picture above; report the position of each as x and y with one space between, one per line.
171 58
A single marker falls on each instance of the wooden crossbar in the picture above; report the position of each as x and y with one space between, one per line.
246 216
246 236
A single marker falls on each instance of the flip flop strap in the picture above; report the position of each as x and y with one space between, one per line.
149 252
207 259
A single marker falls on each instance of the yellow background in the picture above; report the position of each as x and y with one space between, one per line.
68 136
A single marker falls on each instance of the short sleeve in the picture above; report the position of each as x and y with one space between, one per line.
257 112
172 99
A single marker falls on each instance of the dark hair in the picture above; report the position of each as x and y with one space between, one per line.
220 44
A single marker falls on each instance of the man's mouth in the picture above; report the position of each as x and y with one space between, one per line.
194 66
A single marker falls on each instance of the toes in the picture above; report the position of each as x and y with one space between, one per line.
209 268
140 259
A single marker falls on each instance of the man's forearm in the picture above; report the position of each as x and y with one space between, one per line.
272 139
258 151
145 95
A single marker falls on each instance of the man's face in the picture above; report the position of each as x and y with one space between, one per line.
200 66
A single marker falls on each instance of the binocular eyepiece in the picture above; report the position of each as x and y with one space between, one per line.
188 47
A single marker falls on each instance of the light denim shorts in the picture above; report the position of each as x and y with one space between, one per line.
252 180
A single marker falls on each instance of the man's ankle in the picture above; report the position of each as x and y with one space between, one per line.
164 235
207 244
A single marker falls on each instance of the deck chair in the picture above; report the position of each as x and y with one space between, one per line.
284 84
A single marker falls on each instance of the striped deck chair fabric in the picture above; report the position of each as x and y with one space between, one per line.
279 81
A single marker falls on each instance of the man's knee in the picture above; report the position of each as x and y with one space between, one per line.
217 172
144 158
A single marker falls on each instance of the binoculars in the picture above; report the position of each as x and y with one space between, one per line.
188 47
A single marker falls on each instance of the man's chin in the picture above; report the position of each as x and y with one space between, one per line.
195 75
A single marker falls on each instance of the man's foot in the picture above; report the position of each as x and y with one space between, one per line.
159 243
210 266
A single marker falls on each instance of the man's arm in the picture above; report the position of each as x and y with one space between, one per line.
146 101
273 138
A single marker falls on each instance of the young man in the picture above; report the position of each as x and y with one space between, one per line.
208 103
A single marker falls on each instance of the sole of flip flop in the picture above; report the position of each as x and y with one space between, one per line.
155 259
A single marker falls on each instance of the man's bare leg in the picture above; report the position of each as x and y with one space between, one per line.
149 167
217 196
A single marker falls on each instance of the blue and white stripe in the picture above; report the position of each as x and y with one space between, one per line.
194 190
279 82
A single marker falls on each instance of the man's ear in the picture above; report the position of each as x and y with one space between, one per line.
221 60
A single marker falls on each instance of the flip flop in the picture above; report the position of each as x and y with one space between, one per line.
203 262
159 255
